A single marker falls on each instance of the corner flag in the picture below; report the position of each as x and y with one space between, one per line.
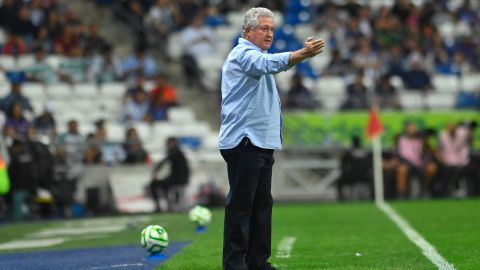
374 126
374 130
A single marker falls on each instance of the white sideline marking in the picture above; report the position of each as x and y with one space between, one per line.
49 232
20 244
428 250
118 266
285 247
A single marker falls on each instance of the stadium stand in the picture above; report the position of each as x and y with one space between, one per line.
442 36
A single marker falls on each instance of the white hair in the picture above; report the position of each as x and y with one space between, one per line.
251 17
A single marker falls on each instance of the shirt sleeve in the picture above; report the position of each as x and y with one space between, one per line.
257 63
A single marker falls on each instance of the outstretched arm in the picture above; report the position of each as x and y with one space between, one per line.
310 48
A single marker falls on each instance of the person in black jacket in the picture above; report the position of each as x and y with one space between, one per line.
177 177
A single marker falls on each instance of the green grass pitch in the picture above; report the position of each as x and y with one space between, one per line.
328 236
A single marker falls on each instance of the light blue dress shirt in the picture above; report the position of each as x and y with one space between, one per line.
250 100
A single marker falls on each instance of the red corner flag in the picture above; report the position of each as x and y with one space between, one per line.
374 126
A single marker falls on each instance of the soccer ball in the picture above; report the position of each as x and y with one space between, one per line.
154 239
200 215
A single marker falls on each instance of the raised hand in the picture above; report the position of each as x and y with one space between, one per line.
312 47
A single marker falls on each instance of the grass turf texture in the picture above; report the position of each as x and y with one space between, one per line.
328 236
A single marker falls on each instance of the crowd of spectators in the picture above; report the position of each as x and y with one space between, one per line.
39 156
424 163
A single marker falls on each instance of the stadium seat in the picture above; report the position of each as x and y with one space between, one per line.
181 115
470 82
114 90
174 50
440 100
144 131
331 86
34 91
397 82
412 100
7 62
302 31
330 103
25 61
85 90
54 61
235 18
60 91
226 32
283 80
445 83
115 131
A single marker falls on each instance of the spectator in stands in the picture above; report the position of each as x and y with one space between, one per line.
357 98
45 123
55 29
162 18
158 110
64 182
188 9
43 165
73 67
67 40
178 176
43 41
93 42
298 96
136 109
366 59
138 86
16 96
356 167
197 40
17 120
37 13
41 70
74 143
14 45
93 151
134 151
454 154
166 90
386 94
23 25
388 29
417 78
413 153
393 63
105 67
22 179
139 63
8 12
338 66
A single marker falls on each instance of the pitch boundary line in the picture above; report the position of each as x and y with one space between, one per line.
285 247
428 250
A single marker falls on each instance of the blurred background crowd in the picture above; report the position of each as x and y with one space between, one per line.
75 94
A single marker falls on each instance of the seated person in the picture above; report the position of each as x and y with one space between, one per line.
386 94
412 152
357 94
417 78
178 175
298 95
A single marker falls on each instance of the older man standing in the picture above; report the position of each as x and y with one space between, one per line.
250 131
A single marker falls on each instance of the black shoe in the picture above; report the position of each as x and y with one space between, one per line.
267 266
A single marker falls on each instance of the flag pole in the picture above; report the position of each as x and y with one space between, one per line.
374 132
377 169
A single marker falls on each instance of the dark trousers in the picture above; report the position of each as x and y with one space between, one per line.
248 213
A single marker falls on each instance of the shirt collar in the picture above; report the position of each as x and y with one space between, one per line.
250 44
